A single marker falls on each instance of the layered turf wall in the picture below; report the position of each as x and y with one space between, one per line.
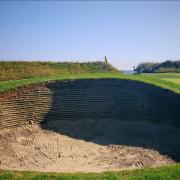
105 111
25 105
96 99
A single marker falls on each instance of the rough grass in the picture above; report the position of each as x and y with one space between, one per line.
22 70
161 173
151 79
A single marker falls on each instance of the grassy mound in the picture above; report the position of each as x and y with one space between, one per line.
22 70
16 74
167 172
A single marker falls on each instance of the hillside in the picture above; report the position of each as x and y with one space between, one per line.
22 70
167 66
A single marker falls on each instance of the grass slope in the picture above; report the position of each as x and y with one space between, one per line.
155 79
161 173
23 70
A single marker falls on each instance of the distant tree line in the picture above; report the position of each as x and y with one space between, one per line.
167 66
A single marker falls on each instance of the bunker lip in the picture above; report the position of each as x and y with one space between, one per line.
18 91
113 118
142 80
34 86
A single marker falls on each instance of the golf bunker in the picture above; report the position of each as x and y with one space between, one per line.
89 125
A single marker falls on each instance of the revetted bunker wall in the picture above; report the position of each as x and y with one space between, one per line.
24 105
93 99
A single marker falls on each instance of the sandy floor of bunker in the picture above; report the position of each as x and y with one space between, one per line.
32 148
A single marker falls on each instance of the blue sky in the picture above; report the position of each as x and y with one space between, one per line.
126 32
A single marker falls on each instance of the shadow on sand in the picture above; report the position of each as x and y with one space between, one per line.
120 112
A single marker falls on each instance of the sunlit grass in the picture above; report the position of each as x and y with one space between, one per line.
24 70
175 80
15 74
151 79
161 173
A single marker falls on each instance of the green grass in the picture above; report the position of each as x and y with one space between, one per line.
161 173
171 77
164 75
155 79
23 70
15 74
175 80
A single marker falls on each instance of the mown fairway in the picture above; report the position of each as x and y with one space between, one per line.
171 77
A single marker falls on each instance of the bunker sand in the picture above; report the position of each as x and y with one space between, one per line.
31 148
